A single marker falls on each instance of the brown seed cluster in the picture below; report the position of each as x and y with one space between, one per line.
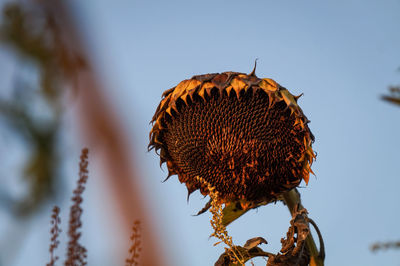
245 136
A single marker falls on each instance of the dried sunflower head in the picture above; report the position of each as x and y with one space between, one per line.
245 136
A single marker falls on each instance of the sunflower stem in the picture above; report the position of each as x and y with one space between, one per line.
292 199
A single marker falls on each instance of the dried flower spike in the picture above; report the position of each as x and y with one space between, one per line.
135 248
245 136
76 253
55 232
220 231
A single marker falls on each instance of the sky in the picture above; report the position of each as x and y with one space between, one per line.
342 55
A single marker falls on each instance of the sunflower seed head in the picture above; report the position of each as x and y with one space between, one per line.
245 136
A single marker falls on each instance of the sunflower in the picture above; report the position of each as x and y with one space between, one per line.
246 137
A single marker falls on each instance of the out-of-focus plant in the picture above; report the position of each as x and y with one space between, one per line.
385 245
76 252
45 33
135 248
34 110
394 96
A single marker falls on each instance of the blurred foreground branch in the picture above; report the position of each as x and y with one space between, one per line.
45 33
394 96
105 135
34 110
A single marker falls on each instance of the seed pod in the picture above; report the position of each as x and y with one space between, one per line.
245 136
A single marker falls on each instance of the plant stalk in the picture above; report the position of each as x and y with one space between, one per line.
292 199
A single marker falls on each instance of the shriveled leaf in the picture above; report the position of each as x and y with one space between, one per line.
254 242
205 208
231 212
294 251
234 210
245 254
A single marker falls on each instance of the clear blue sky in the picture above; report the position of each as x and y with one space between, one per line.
341 54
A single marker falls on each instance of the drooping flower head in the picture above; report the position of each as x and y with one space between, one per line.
245 136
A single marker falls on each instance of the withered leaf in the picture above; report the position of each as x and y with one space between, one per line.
253 242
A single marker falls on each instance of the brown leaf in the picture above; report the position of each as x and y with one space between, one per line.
253 242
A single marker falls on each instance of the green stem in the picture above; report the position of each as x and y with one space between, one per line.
292 199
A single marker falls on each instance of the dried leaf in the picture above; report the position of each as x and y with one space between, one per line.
234 210
253 242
